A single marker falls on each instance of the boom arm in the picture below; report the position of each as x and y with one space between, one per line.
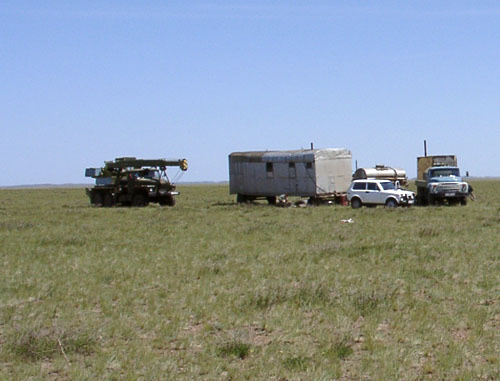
132 162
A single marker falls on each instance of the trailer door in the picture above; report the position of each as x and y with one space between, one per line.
292 179
331 184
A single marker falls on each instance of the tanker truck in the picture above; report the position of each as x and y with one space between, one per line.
381 172
133 182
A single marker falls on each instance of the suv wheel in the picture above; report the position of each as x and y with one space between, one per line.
356 203
391 203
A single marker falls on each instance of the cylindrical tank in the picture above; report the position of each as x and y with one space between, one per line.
381 172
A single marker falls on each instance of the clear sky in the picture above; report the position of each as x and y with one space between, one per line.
87 81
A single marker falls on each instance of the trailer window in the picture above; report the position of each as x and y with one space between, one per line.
269 169
291 170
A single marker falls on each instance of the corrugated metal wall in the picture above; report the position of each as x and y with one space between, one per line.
296 173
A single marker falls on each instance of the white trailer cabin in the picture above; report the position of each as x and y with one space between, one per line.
313 173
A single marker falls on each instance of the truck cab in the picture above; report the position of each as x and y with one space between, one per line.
439 181
445 183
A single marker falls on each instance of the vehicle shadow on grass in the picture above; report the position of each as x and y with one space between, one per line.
224 204
243 204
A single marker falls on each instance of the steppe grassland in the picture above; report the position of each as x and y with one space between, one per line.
214 290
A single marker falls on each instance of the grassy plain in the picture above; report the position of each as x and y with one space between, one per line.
214 290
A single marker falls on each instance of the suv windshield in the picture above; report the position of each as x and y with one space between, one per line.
444 172
388 185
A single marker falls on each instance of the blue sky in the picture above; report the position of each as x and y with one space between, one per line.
88 81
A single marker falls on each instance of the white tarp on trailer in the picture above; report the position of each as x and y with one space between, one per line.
306 173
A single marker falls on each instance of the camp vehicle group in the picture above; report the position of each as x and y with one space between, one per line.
317 175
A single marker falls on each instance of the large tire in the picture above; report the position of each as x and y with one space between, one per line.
108 200
271 200
138 200
391 203
97 199
170 200
167 201
314 201
430 199
422 197
356 203
463 201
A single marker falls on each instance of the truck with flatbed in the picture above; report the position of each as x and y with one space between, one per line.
439 181
133 182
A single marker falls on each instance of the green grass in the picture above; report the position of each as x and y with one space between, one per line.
214 290
234 348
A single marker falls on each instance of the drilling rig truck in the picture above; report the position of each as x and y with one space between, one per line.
133 182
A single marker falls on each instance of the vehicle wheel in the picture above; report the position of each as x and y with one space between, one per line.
167 201
463 201
314 201
241 198
97 199
271 200
422 199
170 200
430 200
391 203
108 200
138 200
356 203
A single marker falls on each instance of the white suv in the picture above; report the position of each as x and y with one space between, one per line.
373 192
